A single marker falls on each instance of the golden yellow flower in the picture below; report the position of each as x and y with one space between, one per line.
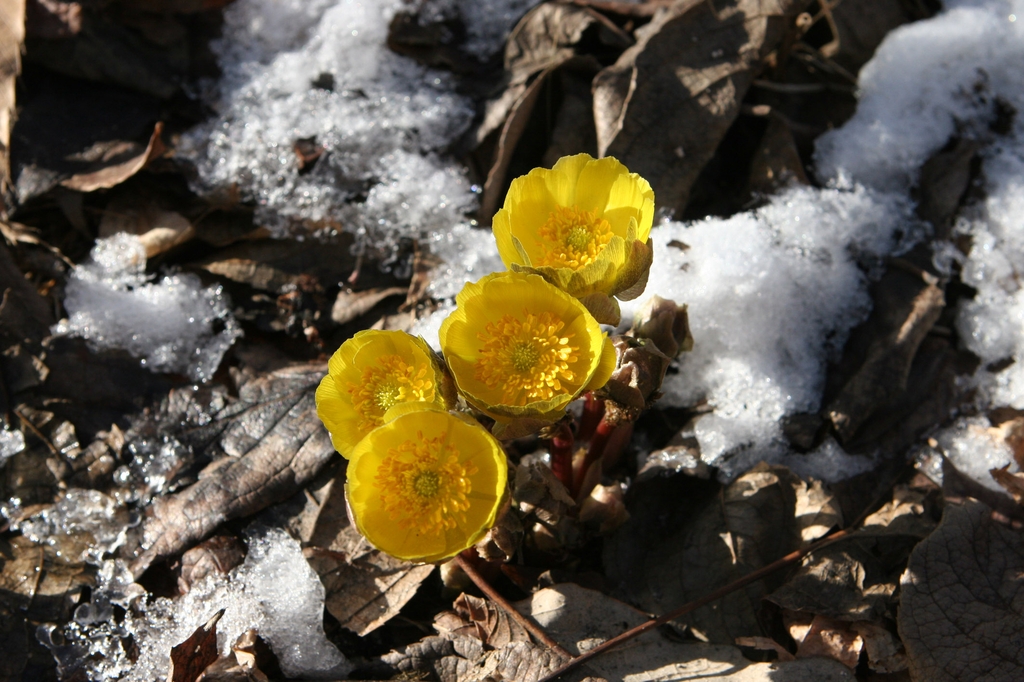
371 373
582 225
427 484
520 348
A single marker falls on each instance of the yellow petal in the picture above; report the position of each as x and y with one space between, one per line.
605 367
426 485
596 181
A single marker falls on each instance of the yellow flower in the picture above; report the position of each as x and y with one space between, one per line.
520 348
371 373
582 225
427 484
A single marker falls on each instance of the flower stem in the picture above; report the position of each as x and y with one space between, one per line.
593 412
494 596
561 454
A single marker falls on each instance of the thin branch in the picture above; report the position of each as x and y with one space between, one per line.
754 576
493 595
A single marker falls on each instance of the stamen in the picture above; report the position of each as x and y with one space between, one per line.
527 357
423 485
386 383
572 237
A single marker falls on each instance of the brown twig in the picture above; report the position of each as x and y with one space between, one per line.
753 576
493 595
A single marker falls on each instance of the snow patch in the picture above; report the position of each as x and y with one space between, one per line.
173 324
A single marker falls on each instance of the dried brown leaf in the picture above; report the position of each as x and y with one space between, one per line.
351 304
159 230
216 555
856 579
884 651
365 587
277 265
665 105
542 41
477 617
831 639
962 599
1012 483
24 314
117 163
190 658
906 308
276 444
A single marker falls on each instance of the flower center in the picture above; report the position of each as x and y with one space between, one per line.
386 396
572 237
389 381
524 356
424 486
527 357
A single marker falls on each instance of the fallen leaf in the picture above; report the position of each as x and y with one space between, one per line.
275 444
907 305
352 304
776 162
962 599
117 163
190 658
477 617
24 314
365 587
216 555
12 33
855 579
884 651
669 553
1013 483
942 183
276 265
831 639
665 105
544 39
158 230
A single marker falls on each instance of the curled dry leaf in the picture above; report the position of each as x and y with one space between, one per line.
962 599
115 163
365 587
665 105
275 445
351 304
190 658
831 639
476 617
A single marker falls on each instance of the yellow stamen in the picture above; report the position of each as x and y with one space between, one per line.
528 357
388 382
423 485
572 237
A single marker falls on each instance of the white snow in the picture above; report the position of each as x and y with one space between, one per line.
169 323
928 80
11 443
772 295
951 75
274 591
383 123
87 522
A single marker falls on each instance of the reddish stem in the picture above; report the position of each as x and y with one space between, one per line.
561 447
593 413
